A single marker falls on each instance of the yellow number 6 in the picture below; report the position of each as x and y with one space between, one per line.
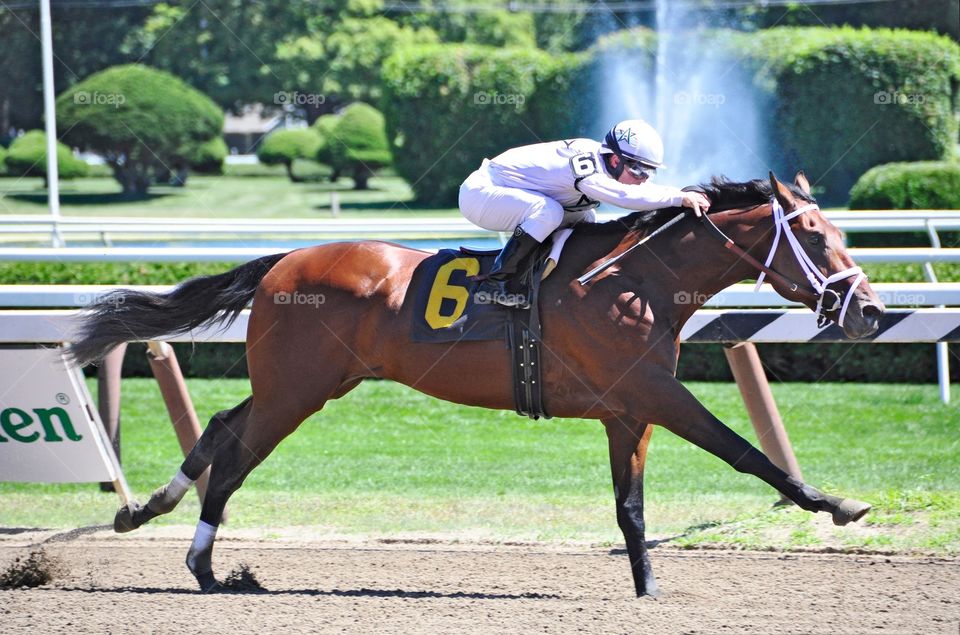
442 289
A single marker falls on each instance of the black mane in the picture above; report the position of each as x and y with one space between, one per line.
723 194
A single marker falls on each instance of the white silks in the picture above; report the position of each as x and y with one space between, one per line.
818 281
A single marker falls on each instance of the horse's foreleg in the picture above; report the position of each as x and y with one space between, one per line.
680 412
165 498
628 440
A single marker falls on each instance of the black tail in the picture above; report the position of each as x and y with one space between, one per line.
127 315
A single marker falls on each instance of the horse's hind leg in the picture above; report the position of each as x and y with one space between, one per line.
267 424
165 498
628 441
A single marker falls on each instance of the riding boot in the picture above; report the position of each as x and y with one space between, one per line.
493 289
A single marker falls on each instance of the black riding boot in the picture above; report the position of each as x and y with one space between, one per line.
494 289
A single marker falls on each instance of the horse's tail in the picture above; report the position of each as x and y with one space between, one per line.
127 315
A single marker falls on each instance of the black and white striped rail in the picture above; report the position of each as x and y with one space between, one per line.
755 325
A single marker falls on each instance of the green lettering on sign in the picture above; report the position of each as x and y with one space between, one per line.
50 434
14 420
12 428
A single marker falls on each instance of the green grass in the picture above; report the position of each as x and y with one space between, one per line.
386 459
226 196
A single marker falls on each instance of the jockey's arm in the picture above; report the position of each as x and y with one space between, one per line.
647 196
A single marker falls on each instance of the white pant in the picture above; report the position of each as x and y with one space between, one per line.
502 209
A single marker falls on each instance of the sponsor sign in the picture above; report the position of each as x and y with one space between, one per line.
50 431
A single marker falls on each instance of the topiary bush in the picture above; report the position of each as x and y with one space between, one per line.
139 119
842 100
283 147
358 143
326 126
208 157
27 156
920 185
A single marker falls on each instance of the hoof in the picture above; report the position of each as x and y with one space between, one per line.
123 521
849 510
649 589
208 583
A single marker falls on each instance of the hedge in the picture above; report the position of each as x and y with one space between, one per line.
833 101
920 185
27 156
450 105
842 100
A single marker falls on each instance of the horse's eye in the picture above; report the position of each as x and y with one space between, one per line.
815 239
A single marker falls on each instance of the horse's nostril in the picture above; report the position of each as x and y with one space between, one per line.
872 310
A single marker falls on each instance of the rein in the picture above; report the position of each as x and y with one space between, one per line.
818 281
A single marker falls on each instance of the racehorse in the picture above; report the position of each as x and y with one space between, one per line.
611 345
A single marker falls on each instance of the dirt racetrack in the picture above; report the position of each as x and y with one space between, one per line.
138 584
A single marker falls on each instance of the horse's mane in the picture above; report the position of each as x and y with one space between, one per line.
723 193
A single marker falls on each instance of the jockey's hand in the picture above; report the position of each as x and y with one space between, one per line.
696 201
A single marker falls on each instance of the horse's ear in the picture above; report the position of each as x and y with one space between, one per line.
800 180
782 192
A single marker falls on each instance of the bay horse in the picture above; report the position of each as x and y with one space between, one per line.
610 345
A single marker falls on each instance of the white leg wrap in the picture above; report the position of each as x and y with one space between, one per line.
203 538
202 546
179 486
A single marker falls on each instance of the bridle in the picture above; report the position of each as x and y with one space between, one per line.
820 293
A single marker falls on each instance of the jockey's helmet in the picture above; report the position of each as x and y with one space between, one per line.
635 142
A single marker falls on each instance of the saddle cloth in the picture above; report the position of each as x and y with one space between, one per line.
444 310
442 293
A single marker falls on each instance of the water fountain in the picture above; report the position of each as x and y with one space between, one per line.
701 101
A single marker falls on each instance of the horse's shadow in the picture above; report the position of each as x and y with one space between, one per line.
692 529
362 592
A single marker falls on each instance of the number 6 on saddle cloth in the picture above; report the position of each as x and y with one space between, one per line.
445 310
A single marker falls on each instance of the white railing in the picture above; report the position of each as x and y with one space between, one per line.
106 229
243 254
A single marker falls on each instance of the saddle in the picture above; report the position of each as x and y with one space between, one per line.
444 310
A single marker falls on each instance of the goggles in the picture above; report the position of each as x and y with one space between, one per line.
639 170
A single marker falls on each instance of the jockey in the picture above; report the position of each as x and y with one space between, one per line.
533 190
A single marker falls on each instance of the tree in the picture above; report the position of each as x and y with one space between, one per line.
84 41
340 60
27 156
139 119
283 147
360 143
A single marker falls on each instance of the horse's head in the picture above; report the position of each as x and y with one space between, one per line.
808 253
